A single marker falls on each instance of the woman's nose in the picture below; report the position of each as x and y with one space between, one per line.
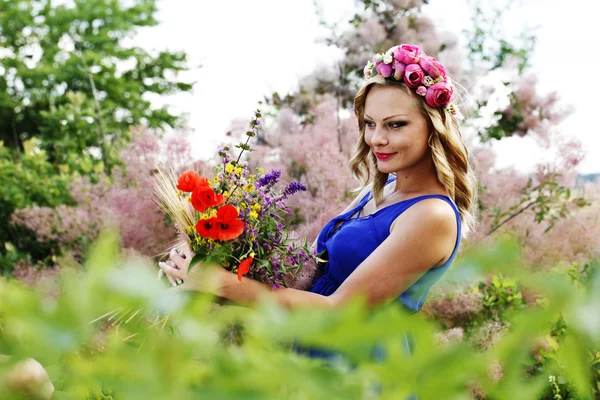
379 138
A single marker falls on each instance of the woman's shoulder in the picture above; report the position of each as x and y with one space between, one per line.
430 213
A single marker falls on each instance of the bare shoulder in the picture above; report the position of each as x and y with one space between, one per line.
434 217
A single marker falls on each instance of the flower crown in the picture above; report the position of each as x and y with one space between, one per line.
409 64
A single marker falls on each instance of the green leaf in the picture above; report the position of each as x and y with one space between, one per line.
195 261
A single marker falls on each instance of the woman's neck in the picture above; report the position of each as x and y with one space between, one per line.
418 180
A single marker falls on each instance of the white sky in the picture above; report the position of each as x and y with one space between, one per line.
249 49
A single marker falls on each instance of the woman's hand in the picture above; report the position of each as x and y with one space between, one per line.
203 277
179 260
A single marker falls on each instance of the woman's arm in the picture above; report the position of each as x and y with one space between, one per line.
424 237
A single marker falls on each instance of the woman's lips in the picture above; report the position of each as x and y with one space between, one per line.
383 156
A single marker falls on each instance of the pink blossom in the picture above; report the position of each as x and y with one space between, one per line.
384 69
439 94
432 67
413 75
421 90
399 69
408 54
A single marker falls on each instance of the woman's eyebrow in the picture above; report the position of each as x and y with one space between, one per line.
391 116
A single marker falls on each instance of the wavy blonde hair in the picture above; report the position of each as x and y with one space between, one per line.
448 151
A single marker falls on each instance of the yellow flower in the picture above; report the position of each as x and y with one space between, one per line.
260 170
238 171
226 194
229 168
189 199
252 237
209 214
243 205
198 239
256 207
253 214
252 254
179 192
251 178
217 179
248 188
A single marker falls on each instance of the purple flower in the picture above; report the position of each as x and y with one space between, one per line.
293 187
269 179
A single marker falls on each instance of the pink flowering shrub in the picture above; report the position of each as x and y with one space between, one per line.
123 201
312 155
567 233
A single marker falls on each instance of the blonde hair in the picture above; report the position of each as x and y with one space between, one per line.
448 151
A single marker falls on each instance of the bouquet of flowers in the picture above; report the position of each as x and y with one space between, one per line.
237 218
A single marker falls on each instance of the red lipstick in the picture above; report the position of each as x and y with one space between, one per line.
383 156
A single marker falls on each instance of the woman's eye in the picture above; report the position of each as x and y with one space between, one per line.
369 124
395 125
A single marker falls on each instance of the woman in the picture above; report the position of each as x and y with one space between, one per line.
402 232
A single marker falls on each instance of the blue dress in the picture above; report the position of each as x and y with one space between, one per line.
355 238
348 239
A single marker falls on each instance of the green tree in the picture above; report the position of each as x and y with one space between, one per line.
69 77
71 87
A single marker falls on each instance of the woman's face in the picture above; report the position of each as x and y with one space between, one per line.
395 129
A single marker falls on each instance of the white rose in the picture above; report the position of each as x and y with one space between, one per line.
388 58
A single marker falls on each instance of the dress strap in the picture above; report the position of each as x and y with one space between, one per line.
369 196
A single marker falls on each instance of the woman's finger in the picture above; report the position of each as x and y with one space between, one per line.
179 261
171 280
172 272
187 251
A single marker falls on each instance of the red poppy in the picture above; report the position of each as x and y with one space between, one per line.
189 180
206 228
204 197
244 267
228 227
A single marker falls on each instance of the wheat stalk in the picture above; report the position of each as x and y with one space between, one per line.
166 195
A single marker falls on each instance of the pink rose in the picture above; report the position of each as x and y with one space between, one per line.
432 67
413 75
384 70
398 69
408 54
439 94
421 90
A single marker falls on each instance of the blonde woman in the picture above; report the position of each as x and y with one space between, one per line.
402 232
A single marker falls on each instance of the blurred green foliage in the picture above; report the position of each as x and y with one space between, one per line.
176 347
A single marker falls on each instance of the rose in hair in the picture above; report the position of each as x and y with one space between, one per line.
439 94
408 54
432 67
384 70
413 75
399 69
